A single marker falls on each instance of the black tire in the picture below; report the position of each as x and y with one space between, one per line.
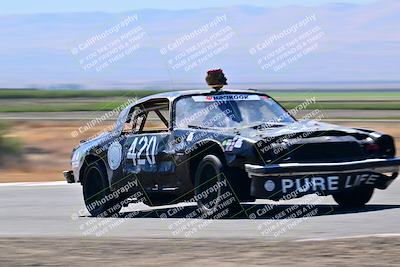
96 192
222 203
354 198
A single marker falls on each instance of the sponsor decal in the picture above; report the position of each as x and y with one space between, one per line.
230 144
190 136
114 155
269 185
327 183
225 97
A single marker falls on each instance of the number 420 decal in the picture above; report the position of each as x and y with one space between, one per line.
144 145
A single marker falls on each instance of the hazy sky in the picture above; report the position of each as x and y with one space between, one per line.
50 6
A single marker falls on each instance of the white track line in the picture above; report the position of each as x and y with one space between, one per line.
57 183
348 237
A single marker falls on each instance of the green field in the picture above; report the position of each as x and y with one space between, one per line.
31 100
61 107
34 93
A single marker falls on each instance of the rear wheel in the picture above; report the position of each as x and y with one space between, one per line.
214 194
354 198
98 198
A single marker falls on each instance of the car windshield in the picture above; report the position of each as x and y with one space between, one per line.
229 111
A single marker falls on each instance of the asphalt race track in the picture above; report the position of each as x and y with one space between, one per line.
52 210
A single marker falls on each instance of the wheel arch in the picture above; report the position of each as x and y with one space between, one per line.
203 148
237 177
88 160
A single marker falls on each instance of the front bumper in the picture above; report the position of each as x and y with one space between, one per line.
375 165
69 176
276 180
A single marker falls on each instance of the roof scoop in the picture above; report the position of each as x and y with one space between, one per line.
216 79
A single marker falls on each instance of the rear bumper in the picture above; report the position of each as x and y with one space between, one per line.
368 165
277 181
69 176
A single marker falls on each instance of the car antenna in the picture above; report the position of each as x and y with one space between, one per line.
216 79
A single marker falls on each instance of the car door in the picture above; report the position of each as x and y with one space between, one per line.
147 151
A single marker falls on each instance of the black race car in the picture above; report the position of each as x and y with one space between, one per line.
222 147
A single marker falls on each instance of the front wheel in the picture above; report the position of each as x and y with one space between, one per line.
215 196
355 198
97 195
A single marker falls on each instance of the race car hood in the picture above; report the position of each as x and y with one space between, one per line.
312 141
312 128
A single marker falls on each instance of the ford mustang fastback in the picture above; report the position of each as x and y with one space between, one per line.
219 148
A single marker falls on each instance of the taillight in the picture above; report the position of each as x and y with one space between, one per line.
386 143
373 148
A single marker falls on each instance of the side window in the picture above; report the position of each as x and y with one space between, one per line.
134 120
138 119
150 117
156 121
138 122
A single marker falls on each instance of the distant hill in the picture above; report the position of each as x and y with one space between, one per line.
359 43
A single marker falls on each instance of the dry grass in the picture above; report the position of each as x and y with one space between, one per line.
47 150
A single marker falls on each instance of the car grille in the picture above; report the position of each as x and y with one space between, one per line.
320 149
324 152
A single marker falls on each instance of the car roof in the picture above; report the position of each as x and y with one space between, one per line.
171 96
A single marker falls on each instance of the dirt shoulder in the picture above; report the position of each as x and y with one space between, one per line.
47 147
376 251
